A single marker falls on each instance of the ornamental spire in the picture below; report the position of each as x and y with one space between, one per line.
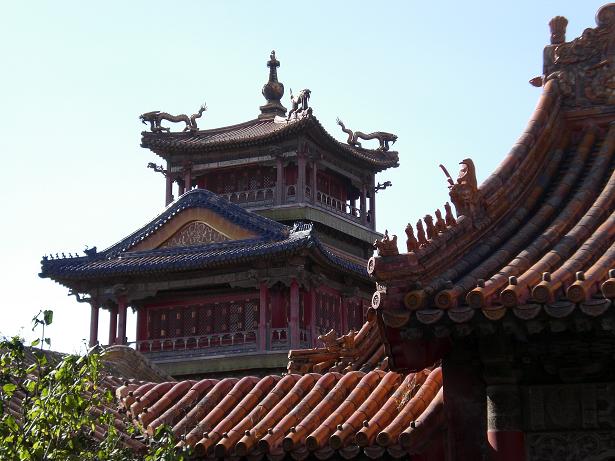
273 91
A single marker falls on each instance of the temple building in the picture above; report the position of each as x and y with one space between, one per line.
263 250
491 336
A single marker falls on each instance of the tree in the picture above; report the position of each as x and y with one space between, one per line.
57 407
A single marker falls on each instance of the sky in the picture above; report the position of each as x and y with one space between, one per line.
449 78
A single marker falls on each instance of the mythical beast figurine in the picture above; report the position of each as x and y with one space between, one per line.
155 118
382 136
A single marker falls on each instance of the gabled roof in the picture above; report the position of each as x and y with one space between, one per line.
537 238
261 132
272 240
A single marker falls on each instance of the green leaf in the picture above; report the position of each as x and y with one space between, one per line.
48 316
35 343
9 388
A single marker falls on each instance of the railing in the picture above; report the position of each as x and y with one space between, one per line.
279 338
265 195
208 344
337 205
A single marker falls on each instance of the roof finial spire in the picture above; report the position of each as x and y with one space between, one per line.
273 91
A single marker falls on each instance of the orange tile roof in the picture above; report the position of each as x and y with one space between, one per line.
331 412
538 235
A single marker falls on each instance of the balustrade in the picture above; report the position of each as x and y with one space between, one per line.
265 195
207 344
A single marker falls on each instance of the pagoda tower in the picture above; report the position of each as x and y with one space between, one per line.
262 246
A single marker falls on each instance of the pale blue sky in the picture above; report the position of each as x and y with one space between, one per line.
450 78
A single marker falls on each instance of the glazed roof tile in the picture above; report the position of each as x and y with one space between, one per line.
274 240
544 243
329 413
260 132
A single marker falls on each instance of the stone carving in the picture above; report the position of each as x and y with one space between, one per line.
412 243
440 224
558 29
465 194
334 344
386 246
156 117
430 229
383 137
420 233
299 104
584 67
194 233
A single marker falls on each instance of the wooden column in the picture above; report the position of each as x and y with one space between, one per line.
279 183
504 422
362 204
187 178
301 164
344 315
314 180
372 203
262 317
313 329
181 189
465 404
112 325
121 328
168 196
94 311
293 321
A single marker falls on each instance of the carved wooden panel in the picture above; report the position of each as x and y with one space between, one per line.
570 407
571 446
194 233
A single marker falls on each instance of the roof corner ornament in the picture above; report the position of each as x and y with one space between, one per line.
584 68
558 26
465 194
382 136
155 118
300 106
387 246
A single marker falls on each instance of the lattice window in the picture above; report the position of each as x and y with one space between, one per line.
268 179
250 313
229 183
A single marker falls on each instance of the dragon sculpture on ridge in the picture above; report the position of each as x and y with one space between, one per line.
155 118
382 136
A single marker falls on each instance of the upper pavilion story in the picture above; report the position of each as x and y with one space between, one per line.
282 165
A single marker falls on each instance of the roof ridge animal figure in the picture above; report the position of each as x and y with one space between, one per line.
382 136
299 103
155 118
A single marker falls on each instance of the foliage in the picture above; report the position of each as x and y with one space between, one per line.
62 406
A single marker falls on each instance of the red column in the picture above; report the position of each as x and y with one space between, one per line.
372 203
121 329
168 196
188 179
314 180
465 405
279 183
504 420
293 323
262 317
301 178
313 330
112 324
94 310
344 315
362 204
